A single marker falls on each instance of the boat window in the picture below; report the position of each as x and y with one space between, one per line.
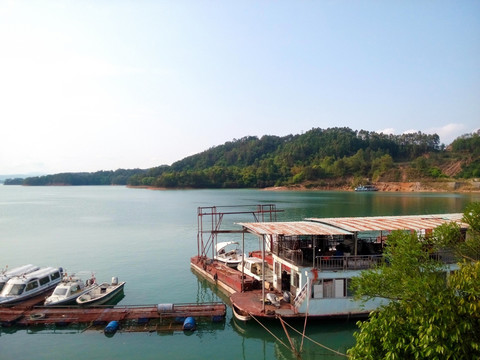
349 287
13 289
339 288
2 284
257 269
31 285
55 275
60 291
296 279
44 280
328 288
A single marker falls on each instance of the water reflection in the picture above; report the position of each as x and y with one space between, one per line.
324 338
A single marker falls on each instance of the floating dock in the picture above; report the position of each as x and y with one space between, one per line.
227 278
244 302
160 315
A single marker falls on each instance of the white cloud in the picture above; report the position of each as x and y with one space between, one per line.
386 131
449 132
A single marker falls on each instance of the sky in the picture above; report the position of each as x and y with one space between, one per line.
102 85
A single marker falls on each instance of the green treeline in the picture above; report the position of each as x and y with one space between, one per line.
314 156
318 156
469 146
117 177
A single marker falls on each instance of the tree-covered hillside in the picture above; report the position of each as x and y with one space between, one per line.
339 155
317 155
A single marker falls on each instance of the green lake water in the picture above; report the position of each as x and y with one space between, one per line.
146 238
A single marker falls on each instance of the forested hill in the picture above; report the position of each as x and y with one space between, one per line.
313 158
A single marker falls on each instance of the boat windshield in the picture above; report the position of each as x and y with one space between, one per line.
257 268
13 289
60 291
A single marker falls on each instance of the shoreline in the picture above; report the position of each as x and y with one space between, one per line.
467 186
413 186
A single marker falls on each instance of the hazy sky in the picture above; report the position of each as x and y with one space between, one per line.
102 85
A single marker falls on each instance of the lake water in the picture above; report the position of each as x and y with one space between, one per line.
146 238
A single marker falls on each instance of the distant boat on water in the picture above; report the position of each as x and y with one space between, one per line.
366 188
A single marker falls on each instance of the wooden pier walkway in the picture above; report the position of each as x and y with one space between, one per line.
30 314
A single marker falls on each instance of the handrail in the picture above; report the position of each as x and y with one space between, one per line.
355 262
301 296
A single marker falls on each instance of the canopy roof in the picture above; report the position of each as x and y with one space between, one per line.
224 244
389 223
293 228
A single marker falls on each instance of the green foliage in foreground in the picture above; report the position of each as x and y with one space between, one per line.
430 316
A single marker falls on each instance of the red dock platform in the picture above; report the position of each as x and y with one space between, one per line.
227 278
247 302
28 314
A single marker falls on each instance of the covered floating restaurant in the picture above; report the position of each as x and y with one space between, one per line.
313 262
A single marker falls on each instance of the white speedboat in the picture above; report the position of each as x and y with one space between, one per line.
366 188
69 290
253 266
20 288
6 274
102 293
228 253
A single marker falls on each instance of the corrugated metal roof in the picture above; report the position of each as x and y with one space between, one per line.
293 228
387 223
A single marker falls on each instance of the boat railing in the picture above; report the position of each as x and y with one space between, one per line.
300 296
359 262
444 256
355 262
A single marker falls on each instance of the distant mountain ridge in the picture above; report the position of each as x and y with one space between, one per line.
316 157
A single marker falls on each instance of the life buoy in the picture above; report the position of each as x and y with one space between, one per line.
37 316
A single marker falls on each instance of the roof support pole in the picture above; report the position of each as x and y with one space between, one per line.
313 249
355 236
243 261
263 274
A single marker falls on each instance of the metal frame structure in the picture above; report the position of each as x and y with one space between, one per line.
210 219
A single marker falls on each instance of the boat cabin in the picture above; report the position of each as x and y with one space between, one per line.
68 289
255 267
31 284
18 271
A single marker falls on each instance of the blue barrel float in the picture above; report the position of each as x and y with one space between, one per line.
111 328
189 324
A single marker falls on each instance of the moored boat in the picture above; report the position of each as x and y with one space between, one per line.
69 289
256 268
6 274
241 315
366 188
101 294
229 253
20 288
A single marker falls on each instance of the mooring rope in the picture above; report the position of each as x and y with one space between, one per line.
306 313
297 354
317 343
280 341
